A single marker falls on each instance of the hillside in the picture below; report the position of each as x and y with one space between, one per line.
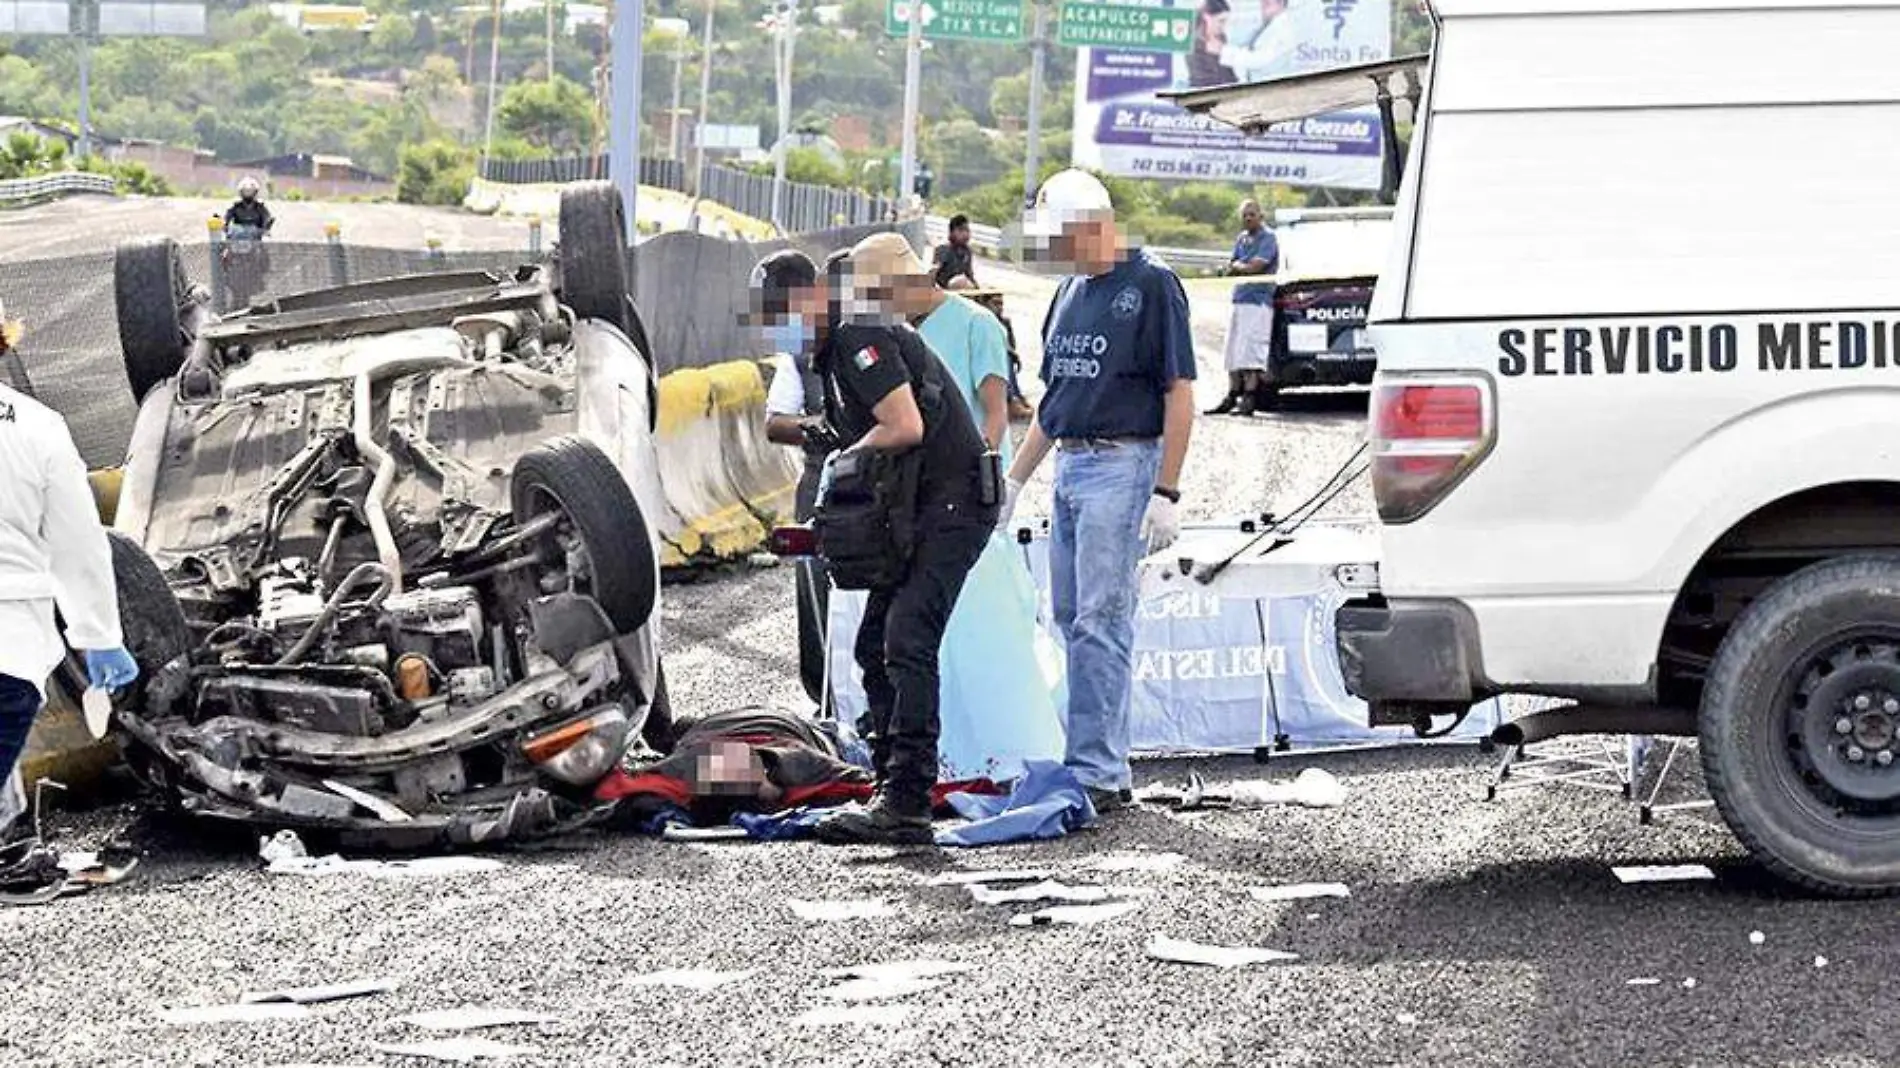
417 81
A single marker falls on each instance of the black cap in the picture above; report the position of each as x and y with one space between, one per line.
777 275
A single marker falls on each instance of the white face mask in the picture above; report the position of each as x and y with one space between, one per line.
791 336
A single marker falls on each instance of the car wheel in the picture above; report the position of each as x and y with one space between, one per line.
603 536
1800 727
153 624
151 290
593 257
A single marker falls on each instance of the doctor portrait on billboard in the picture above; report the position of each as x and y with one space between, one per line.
1210 36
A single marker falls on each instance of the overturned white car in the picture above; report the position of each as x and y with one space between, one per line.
405 583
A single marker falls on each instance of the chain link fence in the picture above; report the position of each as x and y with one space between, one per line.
654 171
805 209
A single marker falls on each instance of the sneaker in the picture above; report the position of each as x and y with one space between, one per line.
879 823
1106 800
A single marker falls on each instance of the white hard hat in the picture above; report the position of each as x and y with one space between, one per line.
1068 196
248 184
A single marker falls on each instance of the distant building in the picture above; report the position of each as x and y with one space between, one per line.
14 124
314 17
577 15
311 165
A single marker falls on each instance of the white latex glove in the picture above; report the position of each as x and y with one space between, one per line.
1160 524
1012 491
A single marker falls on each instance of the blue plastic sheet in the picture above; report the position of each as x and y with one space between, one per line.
1047 802
785 826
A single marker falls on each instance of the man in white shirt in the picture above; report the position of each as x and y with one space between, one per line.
1260 41
46 502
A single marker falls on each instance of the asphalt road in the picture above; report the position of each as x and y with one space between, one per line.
1476 933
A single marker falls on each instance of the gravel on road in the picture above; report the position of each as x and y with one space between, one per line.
1476 934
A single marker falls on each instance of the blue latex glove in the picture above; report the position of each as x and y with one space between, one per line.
110 669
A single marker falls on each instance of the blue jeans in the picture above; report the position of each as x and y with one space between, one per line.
19 704
1094 549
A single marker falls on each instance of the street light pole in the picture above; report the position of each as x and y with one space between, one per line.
705 93
494 66
913 75
788 23
550 12
673 123
1038 56
623 137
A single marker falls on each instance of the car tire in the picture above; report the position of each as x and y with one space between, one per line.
572 474
150 289
1812 803
152 622
657 732
593 257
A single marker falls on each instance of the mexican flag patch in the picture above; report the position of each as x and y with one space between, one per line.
866 358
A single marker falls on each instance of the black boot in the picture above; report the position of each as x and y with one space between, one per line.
887 820
1245 406
1226 405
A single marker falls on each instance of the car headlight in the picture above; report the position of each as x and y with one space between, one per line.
580 751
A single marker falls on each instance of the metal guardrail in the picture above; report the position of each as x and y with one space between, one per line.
24 190
988 240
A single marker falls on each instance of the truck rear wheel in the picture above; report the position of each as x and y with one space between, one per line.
1800 727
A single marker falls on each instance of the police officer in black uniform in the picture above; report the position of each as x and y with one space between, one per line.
889 392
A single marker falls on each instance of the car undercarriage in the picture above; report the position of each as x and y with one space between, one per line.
385 571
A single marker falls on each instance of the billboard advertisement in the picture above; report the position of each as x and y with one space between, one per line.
1122 129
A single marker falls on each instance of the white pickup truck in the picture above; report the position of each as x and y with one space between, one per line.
1636 426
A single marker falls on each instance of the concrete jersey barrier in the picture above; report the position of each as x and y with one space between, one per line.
725 485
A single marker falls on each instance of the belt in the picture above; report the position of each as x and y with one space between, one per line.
1099 444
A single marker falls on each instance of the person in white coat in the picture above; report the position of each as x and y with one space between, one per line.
53 553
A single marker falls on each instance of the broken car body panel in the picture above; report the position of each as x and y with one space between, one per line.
386 603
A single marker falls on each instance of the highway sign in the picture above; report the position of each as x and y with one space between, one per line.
959 20
1125 27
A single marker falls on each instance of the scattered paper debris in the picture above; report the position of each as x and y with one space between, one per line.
1820 962
475 1018
970 878
465 1050
315 995
1689 983
879 989
1756 938
1137 862
1051 890
1662 873
680 832
87 870
1645 981
855 1015
1312 788
1298 891
692 978
1079 915
1179 951
384 810
231 1014
1408 1020
834 911
902 969
419 868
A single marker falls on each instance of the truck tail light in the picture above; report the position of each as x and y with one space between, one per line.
1428 433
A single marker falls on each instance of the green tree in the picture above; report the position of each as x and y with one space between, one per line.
436 172
392 37
557 115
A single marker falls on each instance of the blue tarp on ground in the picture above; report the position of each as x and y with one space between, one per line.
1244 662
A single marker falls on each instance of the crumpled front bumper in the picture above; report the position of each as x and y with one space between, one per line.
405 789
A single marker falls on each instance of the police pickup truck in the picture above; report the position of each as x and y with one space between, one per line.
1635 439
1329 259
